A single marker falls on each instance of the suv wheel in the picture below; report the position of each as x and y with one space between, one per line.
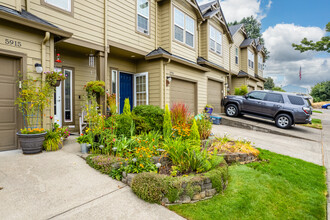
283 121
231 110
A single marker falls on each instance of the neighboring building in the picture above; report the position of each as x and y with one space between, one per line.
160 52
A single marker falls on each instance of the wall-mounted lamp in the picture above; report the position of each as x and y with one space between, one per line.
38 67
226 84
168 80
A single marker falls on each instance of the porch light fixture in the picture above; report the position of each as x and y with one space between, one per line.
168 80
38 67
91 60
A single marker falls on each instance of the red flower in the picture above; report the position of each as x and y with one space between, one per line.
81 134
114 139
51 117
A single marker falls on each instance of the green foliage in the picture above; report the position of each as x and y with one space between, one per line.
194 134
95 88
152 115
141 125
124 123
127 107
167 124
321 91
309 45
277 88
204 126
111 101
52 140
83 138
214 174
269 84
53 76
243 90
103 163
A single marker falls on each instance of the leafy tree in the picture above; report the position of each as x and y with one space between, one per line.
321 45
167 123
321 91
194 134
127 107
277 88
253 30
269 84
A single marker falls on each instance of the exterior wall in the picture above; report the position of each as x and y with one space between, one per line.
238 39
244 60
178 48
204 46
217 76
9 3
122 25
164 25
30 41
189 74
251 71
223 59
258 71
252 83
260 84
237 82
86 22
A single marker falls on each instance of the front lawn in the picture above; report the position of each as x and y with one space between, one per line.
280 187
316 123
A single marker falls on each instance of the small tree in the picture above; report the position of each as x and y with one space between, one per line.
277 88
127 107
269 84
243 90
194 134
167 124
321 91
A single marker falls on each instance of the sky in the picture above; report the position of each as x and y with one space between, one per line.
285 22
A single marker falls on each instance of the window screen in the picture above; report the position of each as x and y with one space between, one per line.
295 100
271 97
257 95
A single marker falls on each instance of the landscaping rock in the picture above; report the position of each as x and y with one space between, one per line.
185 199
165 200
203 194
115 166
206 186
210 192
207 180
197 197
130 178
124 180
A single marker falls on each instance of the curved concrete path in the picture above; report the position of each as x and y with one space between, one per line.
60 185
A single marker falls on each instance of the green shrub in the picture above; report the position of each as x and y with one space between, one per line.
127 107
194 134
243 90
103 163
153 116
167 125
141 125
219 176
124 125
150 186
204 127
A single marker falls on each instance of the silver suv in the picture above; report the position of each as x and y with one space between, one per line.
285 109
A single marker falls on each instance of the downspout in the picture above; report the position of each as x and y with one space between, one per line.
106 50
156 25
43 64
165 87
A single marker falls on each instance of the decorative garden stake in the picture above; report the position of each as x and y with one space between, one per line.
114 150
134 160
158 165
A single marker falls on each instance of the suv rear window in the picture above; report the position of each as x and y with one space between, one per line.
272 97
295 100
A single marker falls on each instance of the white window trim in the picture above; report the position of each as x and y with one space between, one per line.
69 9
147 86
183 28
236 55
137 19
221 41
260 64
252 61
117 87
71 97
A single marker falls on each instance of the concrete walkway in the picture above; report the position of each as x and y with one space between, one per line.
60 185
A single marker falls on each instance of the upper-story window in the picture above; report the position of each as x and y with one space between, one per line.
250 59
236 55
260 62
184 28
62 4
215 40
143 16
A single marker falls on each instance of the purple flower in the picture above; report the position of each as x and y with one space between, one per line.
60 74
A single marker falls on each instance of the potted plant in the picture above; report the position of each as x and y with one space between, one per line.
95 88
53 140
83 140
54 78
33 97
209 109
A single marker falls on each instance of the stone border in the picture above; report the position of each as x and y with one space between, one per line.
239 157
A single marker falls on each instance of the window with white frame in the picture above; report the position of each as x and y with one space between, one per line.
250 59
62 4
141 89
68 111
143 16
215 40
236 55
184 28
260 62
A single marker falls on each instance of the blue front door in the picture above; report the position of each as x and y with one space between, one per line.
126 90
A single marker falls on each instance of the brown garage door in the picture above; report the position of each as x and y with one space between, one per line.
183 91
214 95
8 114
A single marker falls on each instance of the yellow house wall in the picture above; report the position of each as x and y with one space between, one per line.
238 39
244 60
9 3
204 46
259 71
218 76
122 25
237 83
250 71
179 48
164 36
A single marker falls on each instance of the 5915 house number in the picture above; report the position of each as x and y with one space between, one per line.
13 43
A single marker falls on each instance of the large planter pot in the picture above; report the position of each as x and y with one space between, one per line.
31 143
208 110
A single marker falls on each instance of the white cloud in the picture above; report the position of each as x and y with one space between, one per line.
235 10
284 61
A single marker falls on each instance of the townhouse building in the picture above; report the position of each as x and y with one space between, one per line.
154 52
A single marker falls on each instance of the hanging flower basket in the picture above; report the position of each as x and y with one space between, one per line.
58 83
54 78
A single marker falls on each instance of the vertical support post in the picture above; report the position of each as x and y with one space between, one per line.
101 74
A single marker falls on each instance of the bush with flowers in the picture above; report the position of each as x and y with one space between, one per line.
53 76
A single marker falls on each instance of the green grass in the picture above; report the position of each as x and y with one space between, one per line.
279 188
316 123
315 111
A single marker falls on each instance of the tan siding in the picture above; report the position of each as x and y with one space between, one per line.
86 23
181 49
122 25
258 71
164 25
251 71
204 40
238 39
237 83
244 60
9 3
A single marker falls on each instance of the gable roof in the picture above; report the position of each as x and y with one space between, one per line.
27 19
248 42
234 28
204 7
195 5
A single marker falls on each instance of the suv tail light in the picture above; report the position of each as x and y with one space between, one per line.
306 110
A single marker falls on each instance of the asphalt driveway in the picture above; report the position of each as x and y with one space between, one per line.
60 185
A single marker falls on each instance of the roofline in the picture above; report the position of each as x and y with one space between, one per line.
258 78
178 60
208 63
34 24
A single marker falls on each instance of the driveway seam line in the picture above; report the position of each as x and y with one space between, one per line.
92 200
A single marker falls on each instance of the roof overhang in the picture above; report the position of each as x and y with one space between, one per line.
210 64
34 24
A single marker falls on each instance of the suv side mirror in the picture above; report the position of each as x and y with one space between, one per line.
246 96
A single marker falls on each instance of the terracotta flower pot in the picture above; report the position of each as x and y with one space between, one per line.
31 143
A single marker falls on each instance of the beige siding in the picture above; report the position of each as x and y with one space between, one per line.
260 84
238 39
204 40
186 73
223 59
252 84
87 22
181 49
164 25
259 71
244 60
123 26
251 71
9 3
237 83
217 76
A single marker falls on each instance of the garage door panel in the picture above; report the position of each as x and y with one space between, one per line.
185 92
214 95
